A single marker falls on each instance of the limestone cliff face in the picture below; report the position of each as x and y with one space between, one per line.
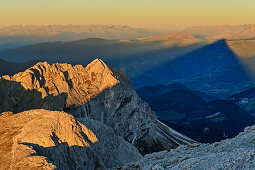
54 87
130 117
94 92
41 139
120 108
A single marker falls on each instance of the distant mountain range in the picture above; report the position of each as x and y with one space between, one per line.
43 33
172 39
180 58
118 53
203 64
40 33
223 32
90 47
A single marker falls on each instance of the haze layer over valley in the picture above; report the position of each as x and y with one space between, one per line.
202 63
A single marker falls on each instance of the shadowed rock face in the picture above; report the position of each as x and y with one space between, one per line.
93 92
130 117
41 139
16 98
120 108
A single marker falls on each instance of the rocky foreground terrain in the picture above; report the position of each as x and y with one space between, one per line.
235 153
41 139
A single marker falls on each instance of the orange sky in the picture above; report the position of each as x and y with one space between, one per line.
160 14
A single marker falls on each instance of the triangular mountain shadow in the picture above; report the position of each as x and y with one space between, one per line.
215 56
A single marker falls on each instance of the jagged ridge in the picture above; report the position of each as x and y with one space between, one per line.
93 92
75 84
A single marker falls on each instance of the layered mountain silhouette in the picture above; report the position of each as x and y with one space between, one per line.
160 59
42 33
85 50
198 115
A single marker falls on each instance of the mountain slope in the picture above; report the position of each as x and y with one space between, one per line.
236 153
41 139
245 100
211 122
184 110
94 92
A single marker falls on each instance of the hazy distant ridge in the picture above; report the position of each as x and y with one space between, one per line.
70 32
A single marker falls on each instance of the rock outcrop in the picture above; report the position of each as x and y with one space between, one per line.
41 139
54 87
94 92
130 117
235 153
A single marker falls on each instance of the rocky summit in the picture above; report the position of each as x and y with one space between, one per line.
74 117
54 87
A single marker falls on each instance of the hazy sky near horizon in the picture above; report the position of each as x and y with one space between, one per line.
160 14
